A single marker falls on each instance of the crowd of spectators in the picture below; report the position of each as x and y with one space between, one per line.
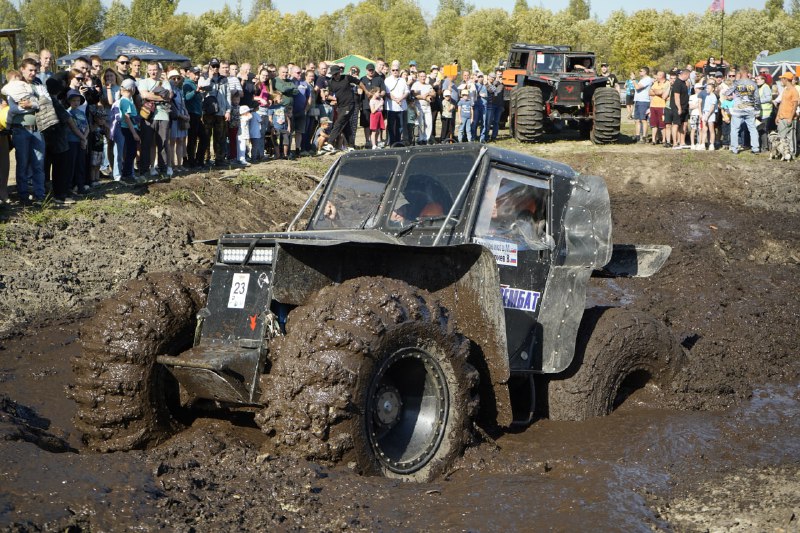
716 107
135 121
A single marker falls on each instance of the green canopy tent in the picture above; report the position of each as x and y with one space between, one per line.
777 64
353 60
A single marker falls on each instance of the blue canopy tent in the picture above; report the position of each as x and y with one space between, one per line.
110 48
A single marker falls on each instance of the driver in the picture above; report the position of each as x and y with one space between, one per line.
399 214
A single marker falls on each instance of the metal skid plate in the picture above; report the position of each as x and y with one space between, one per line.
217 372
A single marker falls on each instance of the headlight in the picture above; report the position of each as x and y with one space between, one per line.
237 255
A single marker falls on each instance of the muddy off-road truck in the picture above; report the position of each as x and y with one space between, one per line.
549 87
434 291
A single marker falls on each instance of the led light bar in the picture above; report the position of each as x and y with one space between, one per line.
237 255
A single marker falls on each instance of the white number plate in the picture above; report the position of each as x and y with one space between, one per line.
238 291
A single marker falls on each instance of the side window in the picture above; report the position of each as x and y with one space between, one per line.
514 210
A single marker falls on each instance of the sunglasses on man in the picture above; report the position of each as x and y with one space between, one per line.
124 62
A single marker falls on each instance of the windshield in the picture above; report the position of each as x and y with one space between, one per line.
355 193
549 62
430 186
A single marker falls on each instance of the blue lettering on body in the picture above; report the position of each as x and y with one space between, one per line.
519 298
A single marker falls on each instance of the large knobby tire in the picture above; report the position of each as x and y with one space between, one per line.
614 345
606 124
125 400
528 113
372 372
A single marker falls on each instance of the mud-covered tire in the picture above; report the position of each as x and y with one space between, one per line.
124 399
342 352
606 124
528 113
613 345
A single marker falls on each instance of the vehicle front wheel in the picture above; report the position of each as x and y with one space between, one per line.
373 372
125 399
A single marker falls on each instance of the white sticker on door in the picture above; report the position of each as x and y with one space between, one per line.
238 291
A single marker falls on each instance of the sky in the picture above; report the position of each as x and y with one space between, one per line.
601 9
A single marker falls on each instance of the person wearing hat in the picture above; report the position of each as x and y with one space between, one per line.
611 78
787 112
679 102
129 126
77 142
744 94
695 111
179 127
193 101
340 87
465 117
412 67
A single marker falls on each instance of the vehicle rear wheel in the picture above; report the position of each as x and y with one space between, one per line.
125 400
374 372
616 348
528 114
606 124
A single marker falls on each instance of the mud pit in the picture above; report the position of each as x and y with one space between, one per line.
719 450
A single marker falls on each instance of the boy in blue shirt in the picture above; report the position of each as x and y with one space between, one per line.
465 115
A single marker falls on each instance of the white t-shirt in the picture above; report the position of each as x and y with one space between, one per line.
395 88
643 93
422 89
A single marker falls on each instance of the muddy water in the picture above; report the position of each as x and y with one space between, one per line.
640 468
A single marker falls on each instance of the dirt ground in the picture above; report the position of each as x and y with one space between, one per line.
719 451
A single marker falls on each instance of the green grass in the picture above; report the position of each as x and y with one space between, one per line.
85 209
249 181
179 196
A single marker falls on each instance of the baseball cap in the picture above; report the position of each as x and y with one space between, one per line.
214 62
335 69
196 70
603 64
128 84
434 67
412 63
173 74
324 120
465 92
787 76
243 110
370 66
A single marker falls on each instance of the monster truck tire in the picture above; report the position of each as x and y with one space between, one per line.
606 124
528 118
613 345
125 400
358 373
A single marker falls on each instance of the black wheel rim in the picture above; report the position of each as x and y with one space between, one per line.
407 408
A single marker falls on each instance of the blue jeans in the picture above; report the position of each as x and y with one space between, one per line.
119 152
465 130
29 150
493 120
736 124
479 120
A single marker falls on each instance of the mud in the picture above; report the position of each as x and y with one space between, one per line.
719 452
322 370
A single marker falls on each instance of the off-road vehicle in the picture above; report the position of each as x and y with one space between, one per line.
432 288
548 87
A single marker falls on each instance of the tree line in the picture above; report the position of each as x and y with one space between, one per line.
401 29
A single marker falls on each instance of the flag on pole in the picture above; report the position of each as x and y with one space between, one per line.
717 5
